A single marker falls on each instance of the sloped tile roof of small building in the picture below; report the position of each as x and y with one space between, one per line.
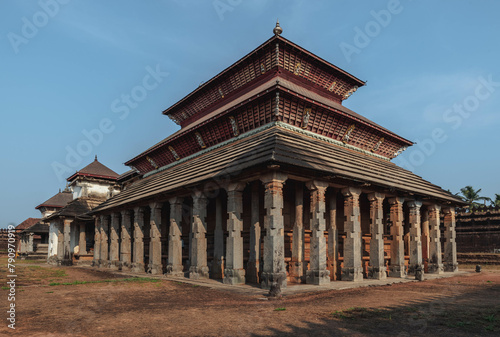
27 223
61 199
96 169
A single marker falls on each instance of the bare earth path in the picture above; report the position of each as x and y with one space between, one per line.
467 305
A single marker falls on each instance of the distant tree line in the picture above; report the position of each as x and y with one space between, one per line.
473 198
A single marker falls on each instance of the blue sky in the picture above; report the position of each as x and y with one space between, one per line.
67 68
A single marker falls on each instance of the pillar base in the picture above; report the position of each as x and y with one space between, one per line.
414 269
354 274
125 266
296 272
451 267
174 271
267 279
102 263
114 265
95 263
318 277
66 262
377 273
234 276
434 268
155 269
198 272
397 271
138 267
253 272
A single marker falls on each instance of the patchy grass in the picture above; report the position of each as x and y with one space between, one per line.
280 309
132 279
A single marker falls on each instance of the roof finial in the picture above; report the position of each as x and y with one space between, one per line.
277 30
95 157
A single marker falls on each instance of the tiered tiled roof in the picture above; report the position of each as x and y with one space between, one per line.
96 170
27 223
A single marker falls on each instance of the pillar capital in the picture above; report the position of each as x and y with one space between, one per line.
351 191
396 200
115 215
273 176
316 185
68 221
375 196
236 187
155 205
448 210
176 200
414 204
434 208
126 213
139 211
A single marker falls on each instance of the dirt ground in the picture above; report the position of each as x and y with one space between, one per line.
69 301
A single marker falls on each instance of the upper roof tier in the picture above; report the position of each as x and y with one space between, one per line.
96 170
278 54
59 200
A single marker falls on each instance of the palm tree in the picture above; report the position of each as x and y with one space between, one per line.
496 202
471 196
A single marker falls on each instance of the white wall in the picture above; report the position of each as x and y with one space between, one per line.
52 239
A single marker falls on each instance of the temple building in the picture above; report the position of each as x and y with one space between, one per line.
271 179
70 227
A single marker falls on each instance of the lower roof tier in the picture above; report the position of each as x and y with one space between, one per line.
294 151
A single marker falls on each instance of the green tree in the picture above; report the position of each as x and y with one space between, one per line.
496 202
471 196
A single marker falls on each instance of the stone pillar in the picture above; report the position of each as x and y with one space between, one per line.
104 241
377 269
435 259
297 265
82 240
155 266
317 273
31 247
138 257
198 264
425 240
450 245
174 267
397 266
125 246
415 266
253 267
60 241
234 273
352 271
67 260
114 245
333 250
97 241
274 271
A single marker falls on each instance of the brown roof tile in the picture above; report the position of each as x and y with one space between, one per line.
96 169
27 223
59 200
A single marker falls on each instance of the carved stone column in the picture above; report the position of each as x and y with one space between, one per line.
67 260
377 269
114 244
435 260
234 273
397 266
60 241
317 273
425 240
274 243
333 250
31 247
82 240
415 266
450 245
352 270
97 241
155 266
174 267
254 258
104 241
138 257
125 246
198 264
297 265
